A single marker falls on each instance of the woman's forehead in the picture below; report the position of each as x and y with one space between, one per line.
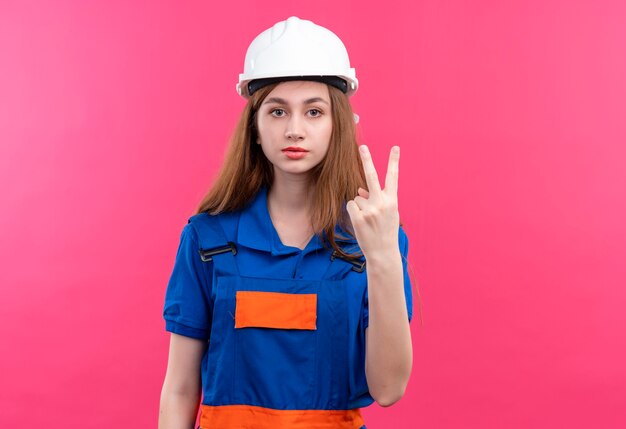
298 91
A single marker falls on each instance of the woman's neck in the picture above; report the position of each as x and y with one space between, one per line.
290 196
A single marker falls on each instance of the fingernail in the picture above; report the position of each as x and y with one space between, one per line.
363 148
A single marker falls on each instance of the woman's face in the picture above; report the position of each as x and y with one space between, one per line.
294 125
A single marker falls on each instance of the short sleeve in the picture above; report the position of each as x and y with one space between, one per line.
188 307
403 243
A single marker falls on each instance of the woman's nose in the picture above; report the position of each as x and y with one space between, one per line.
294 129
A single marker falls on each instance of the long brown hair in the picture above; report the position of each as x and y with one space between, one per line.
334 181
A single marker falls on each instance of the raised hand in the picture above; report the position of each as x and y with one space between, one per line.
374 214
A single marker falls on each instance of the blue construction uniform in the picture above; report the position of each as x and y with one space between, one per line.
265 368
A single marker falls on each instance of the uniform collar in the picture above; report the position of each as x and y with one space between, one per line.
255 227
257 231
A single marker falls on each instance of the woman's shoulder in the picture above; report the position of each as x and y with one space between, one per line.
214 228
206 217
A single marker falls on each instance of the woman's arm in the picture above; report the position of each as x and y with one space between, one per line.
376 221
180 396
389 352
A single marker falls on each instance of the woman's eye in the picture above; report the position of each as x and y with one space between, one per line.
279 113
277 110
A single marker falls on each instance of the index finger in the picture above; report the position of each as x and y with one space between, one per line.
391 180
371 176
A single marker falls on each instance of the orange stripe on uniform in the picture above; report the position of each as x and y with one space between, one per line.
249 416
275 310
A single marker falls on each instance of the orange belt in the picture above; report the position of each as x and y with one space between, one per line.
249 416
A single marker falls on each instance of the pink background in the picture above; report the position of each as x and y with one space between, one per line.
114 117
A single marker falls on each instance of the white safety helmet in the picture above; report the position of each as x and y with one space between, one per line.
296 49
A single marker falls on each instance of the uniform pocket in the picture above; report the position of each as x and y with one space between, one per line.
275 310
275 342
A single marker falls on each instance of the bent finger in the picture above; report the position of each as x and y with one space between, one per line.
353 211
361 202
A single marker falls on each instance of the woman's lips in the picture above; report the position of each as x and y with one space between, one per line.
295 152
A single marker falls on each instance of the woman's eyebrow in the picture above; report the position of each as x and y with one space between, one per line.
283 101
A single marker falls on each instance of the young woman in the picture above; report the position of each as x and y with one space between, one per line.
289 302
